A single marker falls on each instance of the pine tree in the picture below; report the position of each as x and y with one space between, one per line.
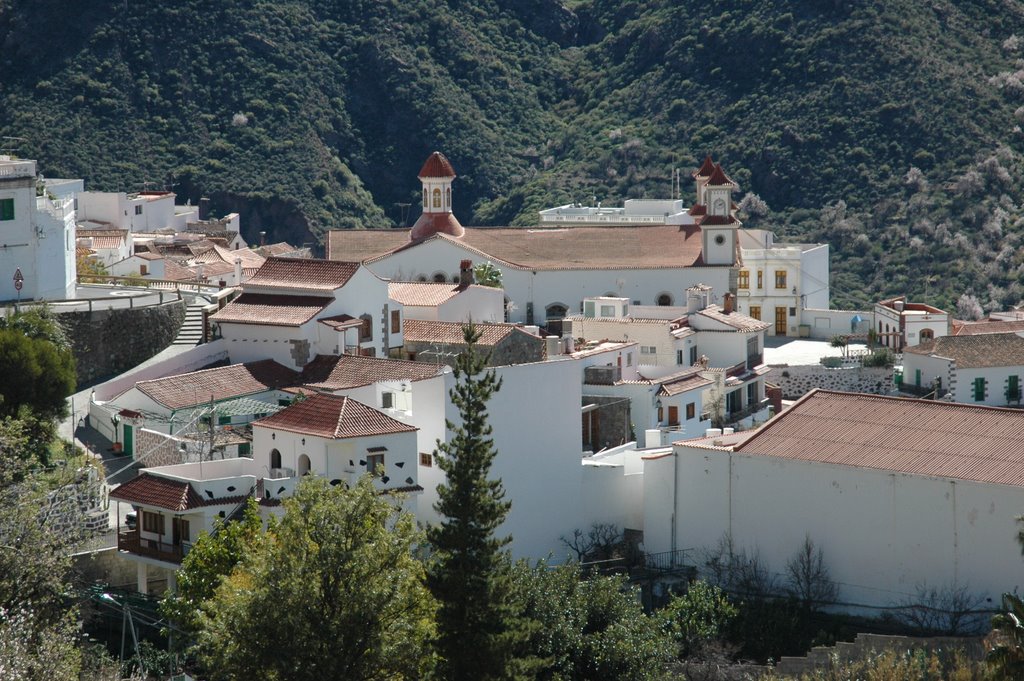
479 630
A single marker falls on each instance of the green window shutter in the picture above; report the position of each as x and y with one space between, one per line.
1013 388
917 377
979 389
6 209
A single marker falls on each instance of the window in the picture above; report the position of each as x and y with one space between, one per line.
664 300
556 311
679 356
153 522
979 389
1013 388
607 310
6 209
426 203
927 334
780 278
373 463
744 281
426 459
143 270
437 198
661 414
693 355
275 458
366 330
448 198
792 312
387 400
629 359
673 415
760 279
917 377
755 311
223 420
138 210
691 410
441 278
648 350
396 321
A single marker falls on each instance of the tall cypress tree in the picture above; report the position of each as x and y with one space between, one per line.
478 629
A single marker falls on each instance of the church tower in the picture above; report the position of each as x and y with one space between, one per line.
718 223
436 175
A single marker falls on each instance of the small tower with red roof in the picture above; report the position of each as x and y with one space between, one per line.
715 213
436 175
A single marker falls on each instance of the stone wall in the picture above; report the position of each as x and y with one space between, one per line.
516 348
614 420
109 342
79 509
796 381
107 566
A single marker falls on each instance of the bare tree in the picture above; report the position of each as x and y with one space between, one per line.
600 542
946 611
968 308
809 578
739 572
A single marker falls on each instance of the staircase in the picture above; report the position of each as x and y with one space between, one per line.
191 332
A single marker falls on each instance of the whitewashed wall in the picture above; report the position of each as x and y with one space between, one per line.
882 533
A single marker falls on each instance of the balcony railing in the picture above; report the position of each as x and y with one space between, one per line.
754 360
133 543
749 410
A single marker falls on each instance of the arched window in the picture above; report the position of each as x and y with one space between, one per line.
441 278
421 277
927 334
448 198
664 300
303 465
437 198
719 208
425 197
556 311
366 330
275 458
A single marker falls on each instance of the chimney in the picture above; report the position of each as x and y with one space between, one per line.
466 273
238 271
728 303
263 238
204 208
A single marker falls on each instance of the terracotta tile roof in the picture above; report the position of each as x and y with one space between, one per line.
920 437
174 271
303 273
545 248
335 417
146 255
225 255
422 293
236 380
719 178
436 165
341 321
736 320
270 309
418 331
154 490
705 169
330 372
620 320
977 351
104 238
673 384
278 249
987 326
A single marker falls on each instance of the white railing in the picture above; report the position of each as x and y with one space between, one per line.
56 207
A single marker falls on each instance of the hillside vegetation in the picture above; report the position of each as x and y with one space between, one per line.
890 129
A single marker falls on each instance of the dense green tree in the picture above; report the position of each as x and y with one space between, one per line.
333 593
698 618
478 632
212 558
40 375
592 628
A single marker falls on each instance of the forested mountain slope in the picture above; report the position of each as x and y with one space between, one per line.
313 114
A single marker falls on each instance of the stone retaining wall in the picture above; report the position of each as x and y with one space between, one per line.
797 381
109 342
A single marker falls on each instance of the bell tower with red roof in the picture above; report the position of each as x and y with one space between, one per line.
715 213
436 175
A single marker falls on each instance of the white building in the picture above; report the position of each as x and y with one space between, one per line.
898 493
148 211
900 324
109 246
548 271
977 369
433 302
38 234
143 263
293 309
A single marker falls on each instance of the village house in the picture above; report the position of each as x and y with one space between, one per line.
974 369
38 249
146 211
935 489
899 324
442 342
444 302
293 309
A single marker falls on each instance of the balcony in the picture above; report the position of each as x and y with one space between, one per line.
133 543
755 360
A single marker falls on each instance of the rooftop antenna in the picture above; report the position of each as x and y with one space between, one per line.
403 212
8 146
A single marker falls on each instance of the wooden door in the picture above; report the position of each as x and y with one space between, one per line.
179 531
129 439
780 321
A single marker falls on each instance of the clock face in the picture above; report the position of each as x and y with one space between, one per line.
720 239
719 208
